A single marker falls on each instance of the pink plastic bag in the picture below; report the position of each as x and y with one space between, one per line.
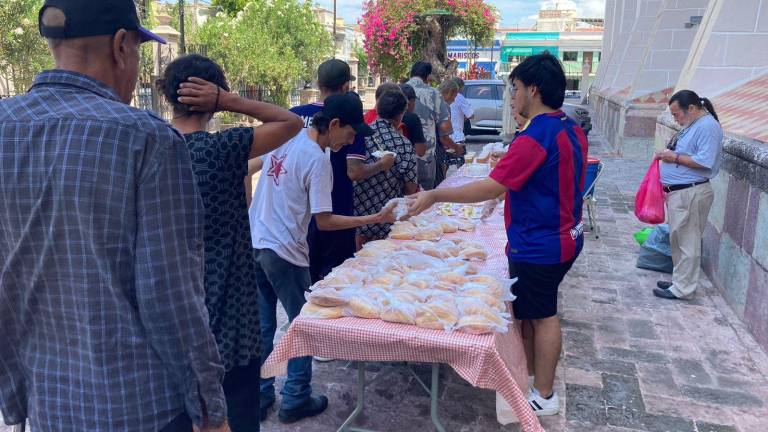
649 200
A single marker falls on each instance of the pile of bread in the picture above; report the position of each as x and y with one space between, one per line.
428 228
427 284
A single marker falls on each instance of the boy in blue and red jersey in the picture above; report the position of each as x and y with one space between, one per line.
542 177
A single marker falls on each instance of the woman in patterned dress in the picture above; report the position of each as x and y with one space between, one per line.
196 88
373 193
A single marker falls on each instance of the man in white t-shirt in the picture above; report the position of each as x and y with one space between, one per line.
295 184
461 110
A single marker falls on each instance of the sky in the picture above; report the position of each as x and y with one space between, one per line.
514 13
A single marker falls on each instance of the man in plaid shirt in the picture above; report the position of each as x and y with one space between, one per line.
102 312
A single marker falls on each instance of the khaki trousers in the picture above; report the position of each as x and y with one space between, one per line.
687 212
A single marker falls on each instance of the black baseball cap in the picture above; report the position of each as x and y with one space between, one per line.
333 73
85 18
349 110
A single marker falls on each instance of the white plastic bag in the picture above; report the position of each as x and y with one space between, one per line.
504 413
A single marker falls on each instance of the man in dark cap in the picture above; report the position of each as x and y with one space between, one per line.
102 317
295 185
329 249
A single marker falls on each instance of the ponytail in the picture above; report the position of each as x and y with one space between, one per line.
686 98
710 108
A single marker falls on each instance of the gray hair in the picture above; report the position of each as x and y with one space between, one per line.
448 85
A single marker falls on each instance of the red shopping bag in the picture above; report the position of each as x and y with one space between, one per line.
649 200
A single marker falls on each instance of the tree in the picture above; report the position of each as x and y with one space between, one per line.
23 52
270 43
400 32
231 7
362 60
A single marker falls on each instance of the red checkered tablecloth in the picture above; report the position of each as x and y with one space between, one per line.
494 361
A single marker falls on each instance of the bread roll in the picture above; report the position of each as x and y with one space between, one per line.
443 286
363 307
418 279
390 278
465 225
398 314
429 233
475 324
311 310
469 244
445 310
326 297
425 318
449 226
473 254
452 277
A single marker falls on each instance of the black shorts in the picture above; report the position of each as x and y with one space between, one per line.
536 288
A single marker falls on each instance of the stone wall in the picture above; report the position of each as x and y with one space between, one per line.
629 126
736 237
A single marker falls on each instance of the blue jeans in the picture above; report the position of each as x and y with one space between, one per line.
280 280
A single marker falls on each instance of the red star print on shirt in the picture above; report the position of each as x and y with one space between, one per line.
276 169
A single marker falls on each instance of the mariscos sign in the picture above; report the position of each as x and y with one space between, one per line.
463 55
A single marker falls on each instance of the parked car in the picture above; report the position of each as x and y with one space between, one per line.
487 98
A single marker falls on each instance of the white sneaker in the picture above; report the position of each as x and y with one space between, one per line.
323 359
541 406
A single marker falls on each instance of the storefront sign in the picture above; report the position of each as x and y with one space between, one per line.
456 55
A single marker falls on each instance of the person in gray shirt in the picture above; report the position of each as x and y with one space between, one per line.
435 117
692 158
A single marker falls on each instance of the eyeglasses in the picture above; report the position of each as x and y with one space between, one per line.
672 144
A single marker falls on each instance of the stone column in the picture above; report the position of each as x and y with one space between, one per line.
353 66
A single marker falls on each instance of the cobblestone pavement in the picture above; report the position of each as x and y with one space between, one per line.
631 362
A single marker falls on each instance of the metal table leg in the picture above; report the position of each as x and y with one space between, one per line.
19 427
432 390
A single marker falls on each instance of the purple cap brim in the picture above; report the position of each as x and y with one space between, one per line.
147 35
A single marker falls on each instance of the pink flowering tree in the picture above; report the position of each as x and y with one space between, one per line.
400 32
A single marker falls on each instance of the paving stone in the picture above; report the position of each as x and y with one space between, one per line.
635 355
583 377
680 407
691 371
639 328
710 427
663 423
579 344
585 404
603 365
657 379
721 397
623 401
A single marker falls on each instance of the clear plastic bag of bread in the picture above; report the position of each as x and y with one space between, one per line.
452 277
341 277
492 285
466 225
359 263
364 305
313 311
398 311
464 268
415 261
437 316
403 231
432 233
478 325
389 278
328 297
378 248
472 251
399 208
419 279
448 225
